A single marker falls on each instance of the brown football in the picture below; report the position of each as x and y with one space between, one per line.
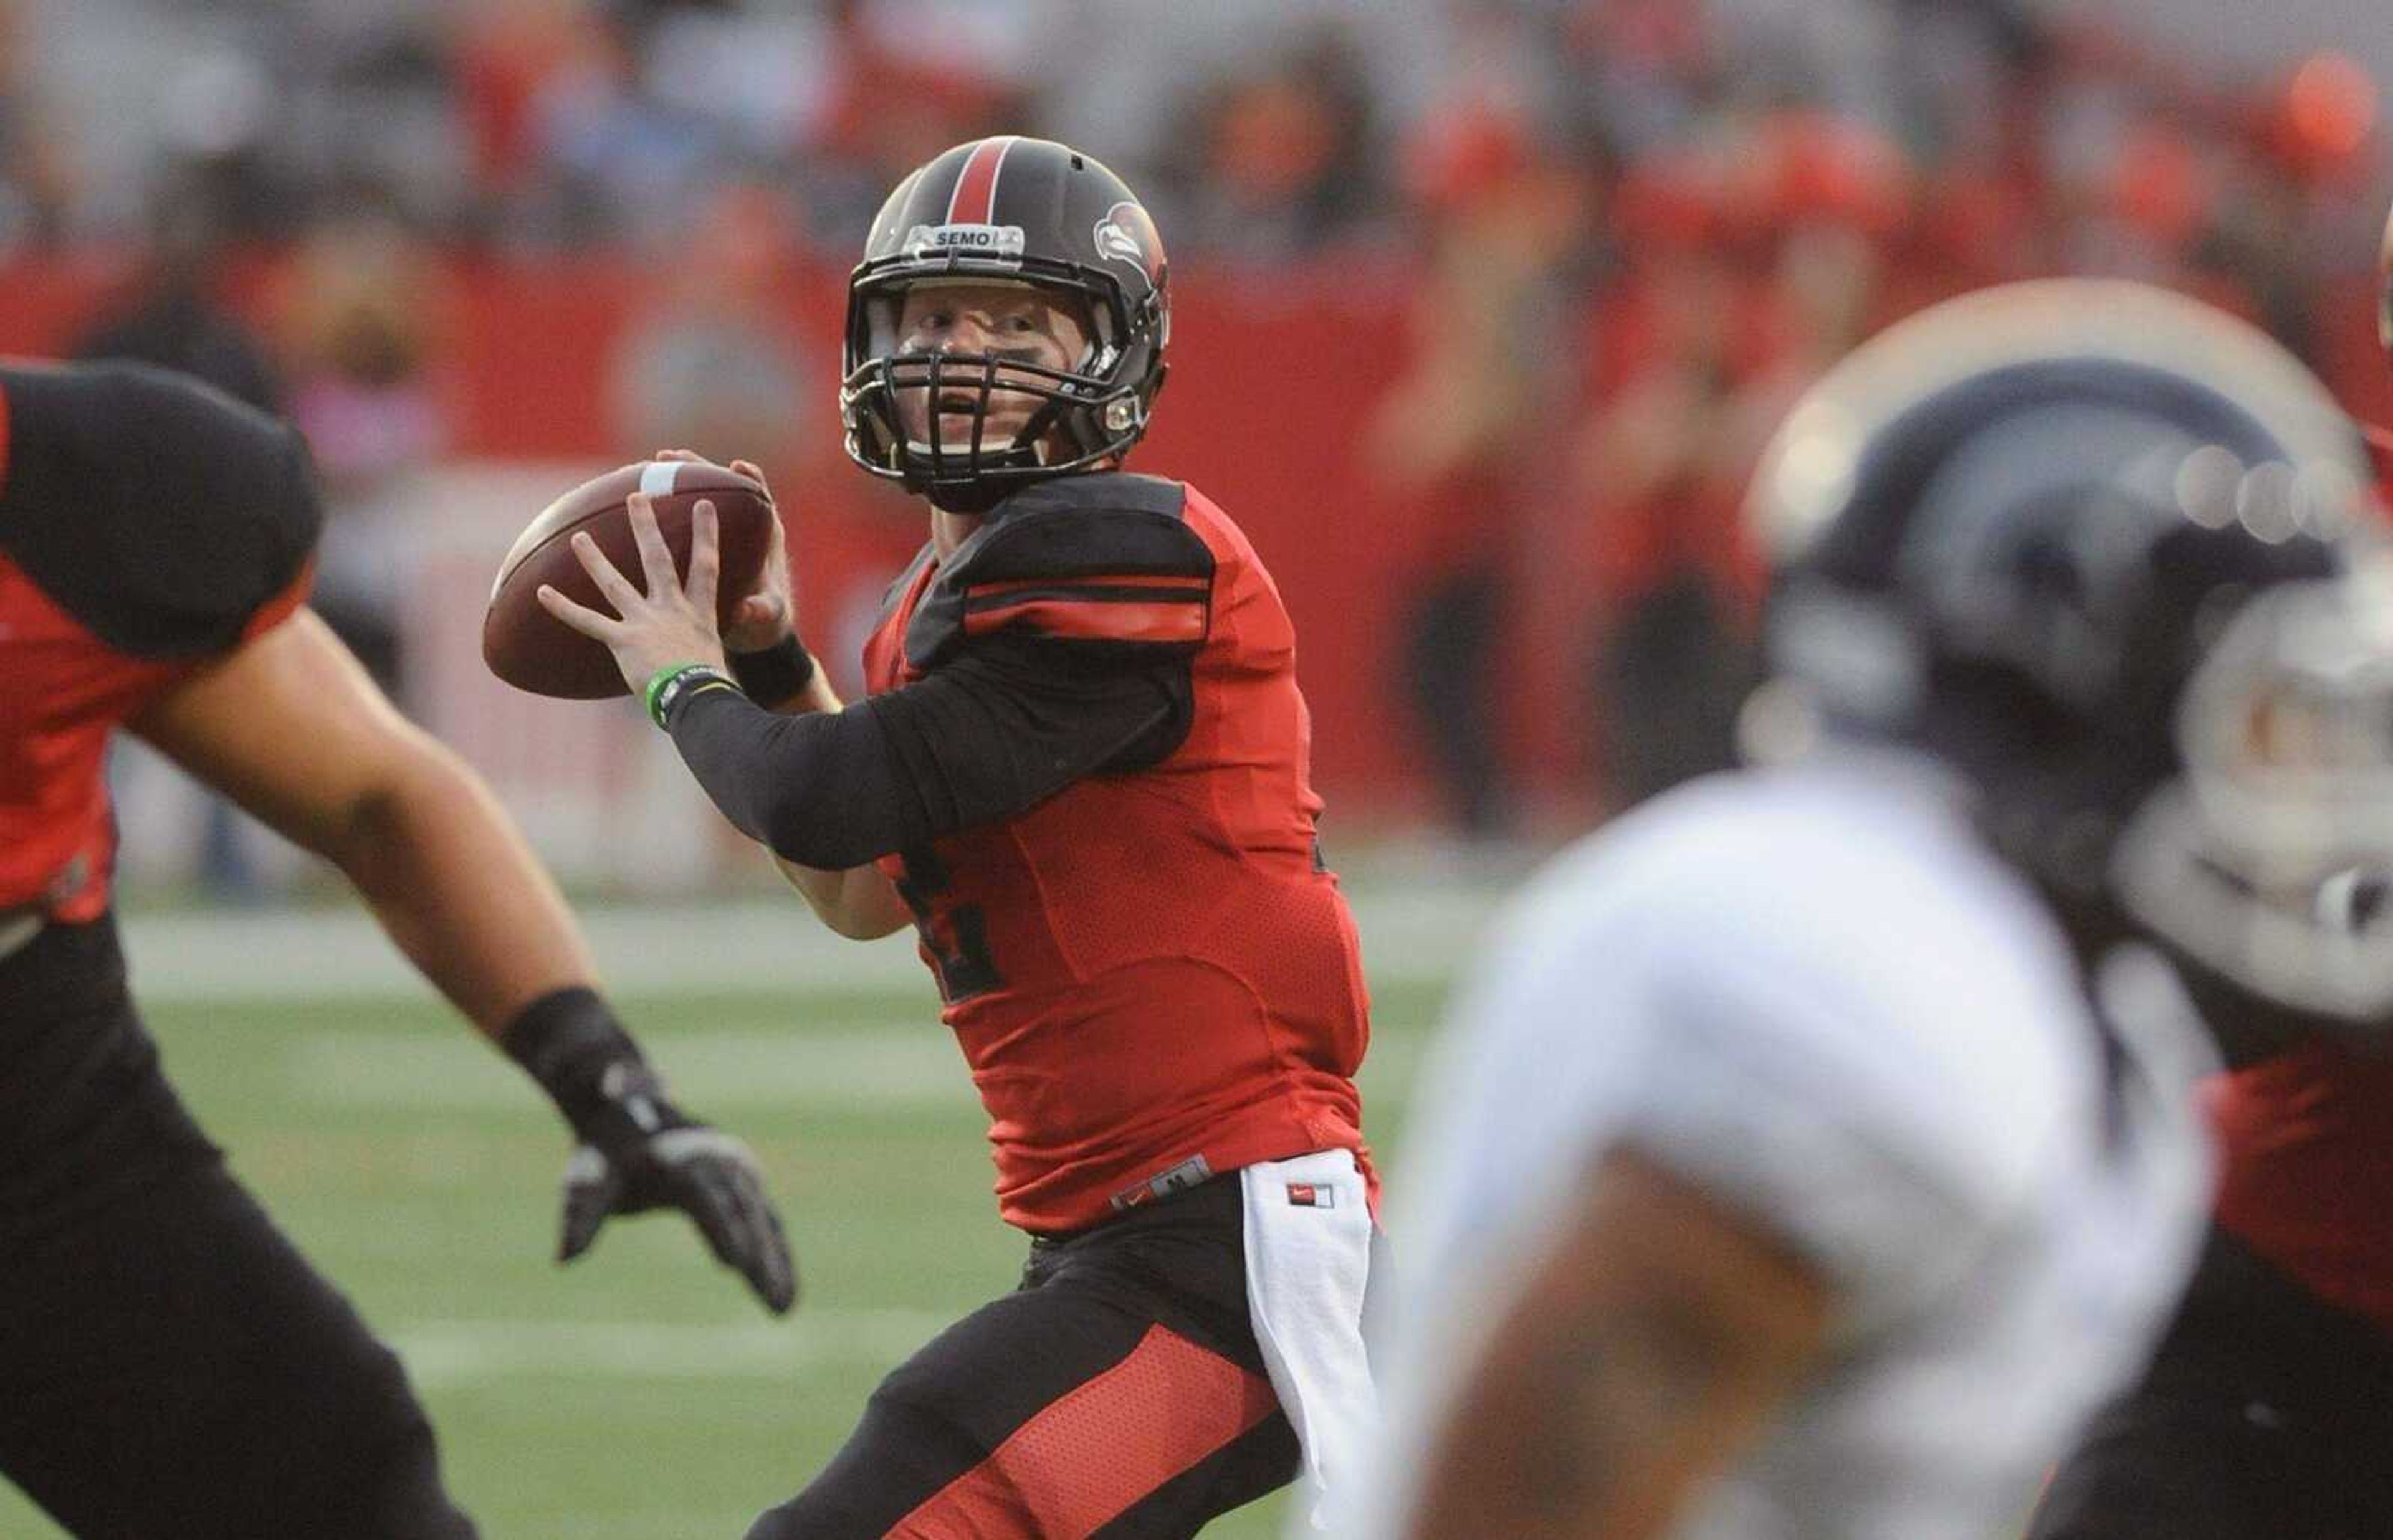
531 649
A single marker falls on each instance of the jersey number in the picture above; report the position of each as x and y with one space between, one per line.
957 941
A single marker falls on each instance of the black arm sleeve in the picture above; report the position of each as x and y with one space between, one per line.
985 737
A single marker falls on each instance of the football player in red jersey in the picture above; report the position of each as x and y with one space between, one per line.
2268 1409
169 1363
1081 774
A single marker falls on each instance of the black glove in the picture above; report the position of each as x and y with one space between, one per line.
637 1151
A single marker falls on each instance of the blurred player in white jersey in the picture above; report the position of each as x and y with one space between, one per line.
1815 1151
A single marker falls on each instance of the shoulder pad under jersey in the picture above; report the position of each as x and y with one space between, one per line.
1107 561
160 513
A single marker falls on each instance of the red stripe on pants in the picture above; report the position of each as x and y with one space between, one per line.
1083 1461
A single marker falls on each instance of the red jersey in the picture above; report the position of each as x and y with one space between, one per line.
147 527
2307 1171
1152 976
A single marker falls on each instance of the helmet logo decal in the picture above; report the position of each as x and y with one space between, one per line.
1126 234
1001 241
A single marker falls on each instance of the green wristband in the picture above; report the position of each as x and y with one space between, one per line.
675 680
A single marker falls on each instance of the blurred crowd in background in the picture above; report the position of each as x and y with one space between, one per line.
1631 231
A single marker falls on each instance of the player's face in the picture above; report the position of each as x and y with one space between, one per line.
1007 321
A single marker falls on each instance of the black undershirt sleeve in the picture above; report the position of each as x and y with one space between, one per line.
981 739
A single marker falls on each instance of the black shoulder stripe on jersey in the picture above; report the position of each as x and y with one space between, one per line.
1106 559
1104 489
158 512
1000 597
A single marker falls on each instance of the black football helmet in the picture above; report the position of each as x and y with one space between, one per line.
2106 551
1009 210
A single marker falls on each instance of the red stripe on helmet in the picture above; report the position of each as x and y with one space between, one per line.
974 198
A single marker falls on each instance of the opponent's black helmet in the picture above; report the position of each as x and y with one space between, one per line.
1007 209
2100 549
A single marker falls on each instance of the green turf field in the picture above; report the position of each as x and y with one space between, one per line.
639 1395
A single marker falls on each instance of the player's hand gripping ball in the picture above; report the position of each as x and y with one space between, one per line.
536 647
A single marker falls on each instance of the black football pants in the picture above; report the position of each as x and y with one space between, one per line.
1118 1392
171 1368
2266 1415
